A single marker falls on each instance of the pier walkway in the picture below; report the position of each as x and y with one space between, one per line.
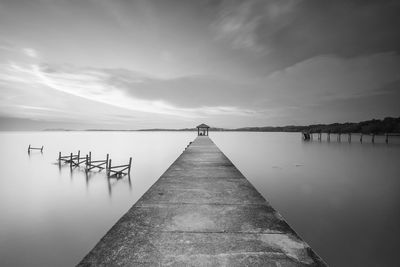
201 212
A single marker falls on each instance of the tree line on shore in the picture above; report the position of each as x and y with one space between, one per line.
374 126
387 125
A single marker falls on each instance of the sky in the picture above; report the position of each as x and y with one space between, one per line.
100 64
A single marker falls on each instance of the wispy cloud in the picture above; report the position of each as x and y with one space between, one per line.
30 52
236 24
242 22
95 85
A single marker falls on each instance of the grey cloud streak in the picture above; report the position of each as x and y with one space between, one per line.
291 31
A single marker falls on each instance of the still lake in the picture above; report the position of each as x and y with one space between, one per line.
342 198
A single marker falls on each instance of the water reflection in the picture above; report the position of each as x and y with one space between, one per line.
52 215
112 181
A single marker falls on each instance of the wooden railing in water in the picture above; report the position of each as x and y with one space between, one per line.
308 136
112 171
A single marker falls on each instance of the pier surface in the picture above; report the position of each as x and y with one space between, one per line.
201 212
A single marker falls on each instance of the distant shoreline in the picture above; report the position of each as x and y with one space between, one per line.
387 125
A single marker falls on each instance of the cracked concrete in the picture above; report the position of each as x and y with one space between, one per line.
202 212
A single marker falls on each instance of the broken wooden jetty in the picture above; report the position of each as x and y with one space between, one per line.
35 148
112 171
119 170
100 164
201 212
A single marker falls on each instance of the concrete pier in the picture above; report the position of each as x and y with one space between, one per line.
201 212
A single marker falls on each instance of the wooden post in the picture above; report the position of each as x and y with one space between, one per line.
386 138
361 137
328 138
373 138
59 157
339 137
90 157
130 163
70 163
41 150
29 148
107 162
349 139
109 167
87 161
79 155
319 136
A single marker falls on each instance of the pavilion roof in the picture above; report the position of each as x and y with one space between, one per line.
203 126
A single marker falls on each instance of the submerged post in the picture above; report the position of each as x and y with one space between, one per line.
70 162
373 138
109 167
361 136
349 139
130 163
386 138
107 162
41 150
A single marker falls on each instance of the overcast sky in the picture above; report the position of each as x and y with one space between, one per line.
172 64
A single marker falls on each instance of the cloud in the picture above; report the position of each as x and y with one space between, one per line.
240 21
100 85
236 25
30 52
291 31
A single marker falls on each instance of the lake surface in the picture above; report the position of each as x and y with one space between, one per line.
342 198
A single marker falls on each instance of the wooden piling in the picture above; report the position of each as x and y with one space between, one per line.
130 163
109 167
361 136
373 138
35 148
349 139
70 162
386 138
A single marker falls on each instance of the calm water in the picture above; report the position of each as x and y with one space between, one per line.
342 198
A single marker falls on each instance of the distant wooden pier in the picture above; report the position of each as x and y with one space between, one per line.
202 212
309 136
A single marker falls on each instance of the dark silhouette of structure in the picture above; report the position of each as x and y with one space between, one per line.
202 129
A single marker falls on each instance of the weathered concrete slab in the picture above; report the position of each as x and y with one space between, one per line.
202 212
